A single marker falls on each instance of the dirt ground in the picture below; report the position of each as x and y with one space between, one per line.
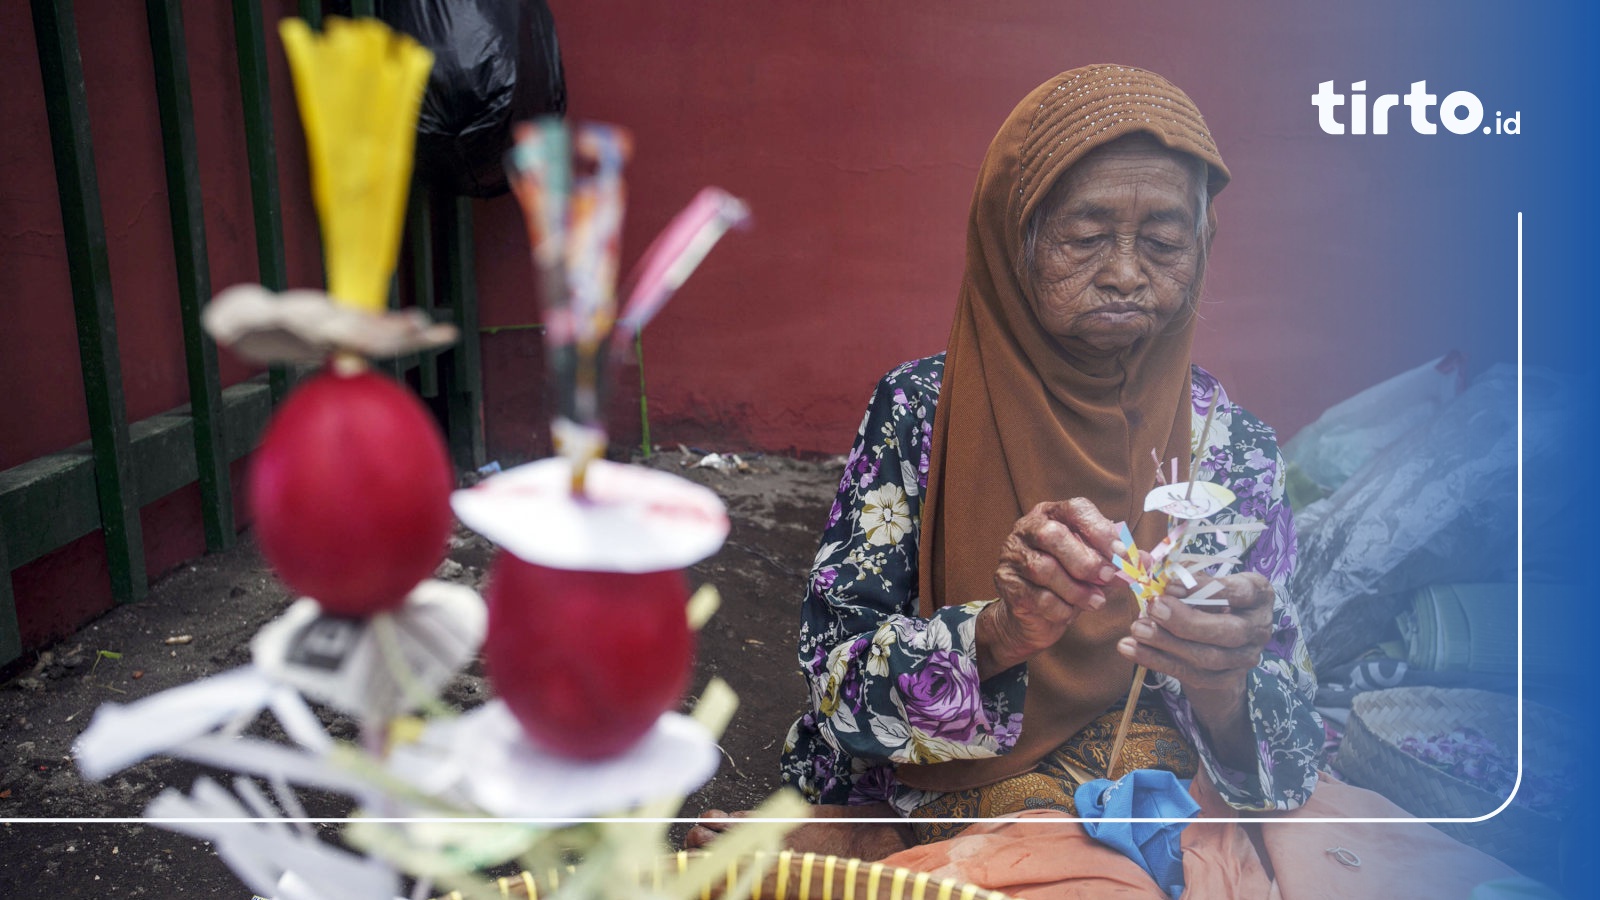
199 619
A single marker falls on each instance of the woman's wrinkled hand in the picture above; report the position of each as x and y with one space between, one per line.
1207 650
1055 564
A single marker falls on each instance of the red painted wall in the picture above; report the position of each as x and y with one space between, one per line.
44 409
855 131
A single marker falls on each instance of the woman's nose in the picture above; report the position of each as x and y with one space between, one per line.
1121 271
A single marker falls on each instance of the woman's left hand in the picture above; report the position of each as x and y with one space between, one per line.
1211 654
1207 649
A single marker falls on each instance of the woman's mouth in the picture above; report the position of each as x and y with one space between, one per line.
1119 312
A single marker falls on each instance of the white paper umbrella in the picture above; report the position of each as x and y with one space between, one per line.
629 518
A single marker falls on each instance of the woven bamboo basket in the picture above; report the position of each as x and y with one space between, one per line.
1370 757
792 876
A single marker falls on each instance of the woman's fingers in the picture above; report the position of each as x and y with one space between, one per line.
1054 564
1237 627
1075 535
1198 656
1043 570
1244 591
1068 550
699 837
712 823
1084 518
1184 669
1202 648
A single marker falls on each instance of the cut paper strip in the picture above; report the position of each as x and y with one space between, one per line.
1189 499
1202 560
678 250
190 722
272 761
359 85
540 174
1204 596
629 519
271 858
594 229
1236 527
121 735
485 759
357 665
1184 576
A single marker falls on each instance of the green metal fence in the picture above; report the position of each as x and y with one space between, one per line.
101 485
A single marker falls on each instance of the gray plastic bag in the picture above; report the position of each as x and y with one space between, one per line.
1438 505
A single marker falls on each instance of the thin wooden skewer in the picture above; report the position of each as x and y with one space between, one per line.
1139 673
1194 464
1127 720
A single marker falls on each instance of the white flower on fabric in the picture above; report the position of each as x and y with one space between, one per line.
892 733
926 748
824 554
908 476
886 517
967 630
878 653
925 635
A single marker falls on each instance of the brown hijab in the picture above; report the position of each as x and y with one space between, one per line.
1024 417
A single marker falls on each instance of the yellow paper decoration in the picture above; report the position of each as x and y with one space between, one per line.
359 85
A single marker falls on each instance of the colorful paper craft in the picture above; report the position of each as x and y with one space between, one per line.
1185 503
574 216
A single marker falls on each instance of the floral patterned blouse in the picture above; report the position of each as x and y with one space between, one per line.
888 686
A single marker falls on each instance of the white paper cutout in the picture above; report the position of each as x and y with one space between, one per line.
121 735
629 519
342 662
485 759
1189 499
273 859
306 326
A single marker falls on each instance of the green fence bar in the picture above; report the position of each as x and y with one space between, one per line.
644 396
359 8
419 230
49 502
194 275
256 93
311 11
66 105
10 633
461 373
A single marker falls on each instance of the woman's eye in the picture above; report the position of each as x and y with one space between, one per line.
1159 246
1086 243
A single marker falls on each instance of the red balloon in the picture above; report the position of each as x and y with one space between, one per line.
351 492
587 661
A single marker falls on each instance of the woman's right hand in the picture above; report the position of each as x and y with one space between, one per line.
1055 563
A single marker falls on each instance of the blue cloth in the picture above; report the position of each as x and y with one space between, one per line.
1141 794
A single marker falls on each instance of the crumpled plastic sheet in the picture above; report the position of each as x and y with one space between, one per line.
1438 505
1352 431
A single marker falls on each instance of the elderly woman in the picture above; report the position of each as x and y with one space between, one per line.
968 649
967 646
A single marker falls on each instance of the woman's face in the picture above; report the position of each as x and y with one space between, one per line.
1117 251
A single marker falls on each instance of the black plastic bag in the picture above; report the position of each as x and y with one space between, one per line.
495 62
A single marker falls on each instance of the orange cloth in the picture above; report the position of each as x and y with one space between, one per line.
1025 417
1044 860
